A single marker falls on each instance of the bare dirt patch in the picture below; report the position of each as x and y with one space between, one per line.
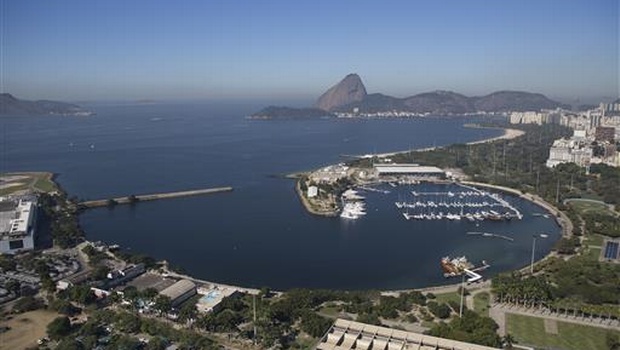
25 329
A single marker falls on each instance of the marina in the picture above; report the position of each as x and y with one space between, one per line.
353 206
465 203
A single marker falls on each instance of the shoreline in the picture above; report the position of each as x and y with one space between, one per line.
508 134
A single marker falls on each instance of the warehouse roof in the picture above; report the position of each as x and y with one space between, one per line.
178 289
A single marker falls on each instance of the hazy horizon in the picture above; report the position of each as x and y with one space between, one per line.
293 51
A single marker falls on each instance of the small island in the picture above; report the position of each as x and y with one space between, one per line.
280 112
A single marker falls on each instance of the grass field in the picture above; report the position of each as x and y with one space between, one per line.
26 329
528 330
35 181
593 253
446 297
585 207
481 303
595 240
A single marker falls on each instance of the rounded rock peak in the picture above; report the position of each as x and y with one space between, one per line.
349 90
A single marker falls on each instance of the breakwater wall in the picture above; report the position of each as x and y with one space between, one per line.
151 197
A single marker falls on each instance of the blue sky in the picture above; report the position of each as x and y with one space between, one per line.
97 50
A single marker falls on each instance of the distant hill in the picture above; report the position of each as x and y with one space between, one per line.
280 112
350 96
348 90
503 101
11 106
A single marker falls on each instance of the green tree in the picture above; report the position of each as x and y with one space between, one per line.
64 307
157 343
27 303
313 324
187 312
127 323
59 328
162 304
70 344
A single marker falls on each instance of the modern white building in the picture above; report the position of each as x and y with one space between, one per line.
17 225
313 191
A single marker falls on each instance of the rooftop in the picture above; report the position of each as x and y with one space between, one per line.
178 289
345 335
16 219
407 168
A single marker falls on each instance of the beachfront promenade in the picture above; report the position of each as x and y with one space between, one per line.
152 197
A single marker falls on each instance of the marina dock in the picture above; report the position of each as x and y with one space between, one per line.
151 197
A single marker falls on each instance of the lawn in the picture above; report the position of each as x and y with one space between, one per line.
528 330
44 182
595 240
481 303
330 310
38 181
585 207
593 253
446 297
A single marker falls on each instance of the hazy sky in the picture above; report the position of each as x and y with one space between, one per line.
76 50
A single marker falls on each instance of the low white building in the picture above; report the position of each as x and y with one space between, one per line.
17 225
409 169
313 191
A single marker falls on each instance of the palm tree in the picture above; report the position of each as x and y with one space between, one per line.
507 341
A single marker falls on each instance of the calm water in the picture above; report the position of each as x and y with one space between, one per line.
258 235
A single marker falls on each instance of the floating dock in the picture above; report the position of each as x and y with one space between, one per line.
152 197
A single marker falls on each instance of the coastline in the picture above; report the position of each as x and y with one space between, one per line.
507 135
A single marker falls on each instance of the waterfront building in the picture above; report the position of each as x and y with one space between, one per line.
409 169
329 174
347 335
212 297
17 225
179 292
117 277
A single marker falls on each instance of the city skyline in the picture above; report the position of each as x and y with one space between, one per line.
296 50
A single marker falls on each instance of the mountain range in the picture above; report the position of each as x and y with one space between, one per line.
12 106
350 96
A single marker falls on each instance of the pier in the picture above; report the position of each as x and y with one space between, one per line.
151 197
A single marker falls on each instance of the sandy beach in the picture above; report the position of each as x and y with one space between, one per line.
507 135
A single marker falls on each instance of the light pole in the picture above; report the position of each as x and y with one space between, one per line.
462 295
534 249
